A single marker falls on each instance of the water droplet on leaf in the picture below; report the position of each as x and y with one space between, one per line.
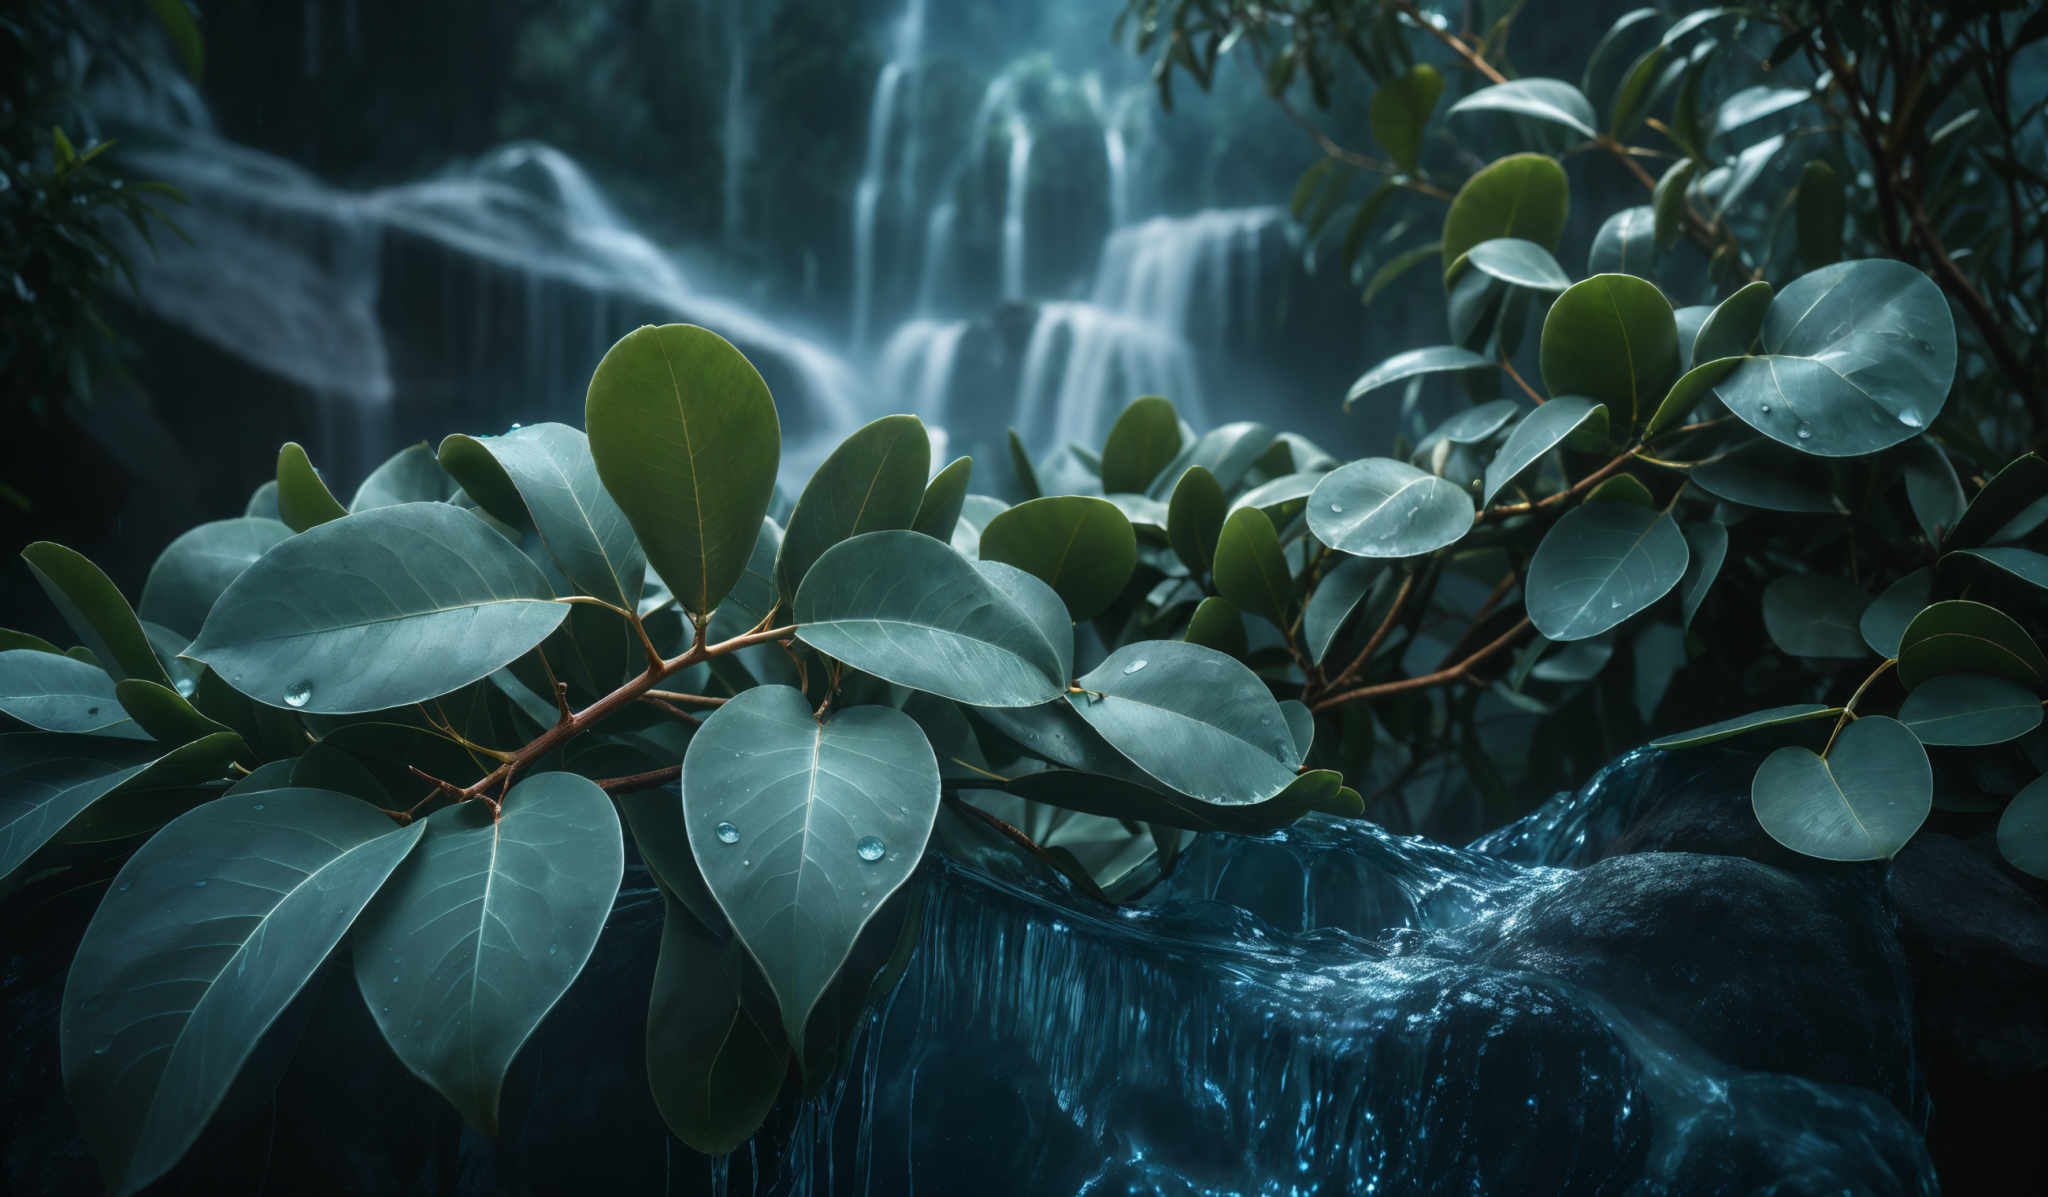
1805 432
299 695
1337 507
1911 418
1136 665
186 686
258 806
728 834
870 848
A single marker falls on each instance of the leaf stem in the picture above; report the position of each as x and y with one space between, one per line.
1453 673
1849 710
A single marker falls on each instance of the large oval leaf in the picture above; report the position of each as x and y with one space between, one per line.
376 610
1436 359
803 828
1600 564
477 937
2023 830
1538 433
1251 571
1079 545
1522 195
1518 263
872 482
1960 636
1813 615
910 610
95 610
198 566
1862 801
1967 710
47 780
1142 441
1191 717
1552 101
1855 357
1614 339
1379 507
1194 518
715 1052
550 468
206 935
685 438
56 693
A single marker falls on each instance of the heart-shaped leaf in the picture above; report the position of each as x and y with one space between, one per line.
873 481
1612 338
377 610
1862 801
1379 507
478 936
1600 564
1193 718
1079 545
1538 433
803 828
1968 710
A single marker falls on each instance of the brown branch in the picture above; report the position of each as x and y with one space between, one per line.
1580 487
640 781
1445 676
681 699
1378 636
1515 374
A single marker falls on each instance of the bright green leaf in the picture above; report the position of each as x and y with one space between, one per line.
1081 546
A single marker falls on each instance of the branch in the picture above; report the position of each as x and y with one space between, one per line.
1454 673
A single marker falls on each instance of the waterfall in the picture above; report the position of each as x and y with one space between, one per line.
736 129
1016 196
906 46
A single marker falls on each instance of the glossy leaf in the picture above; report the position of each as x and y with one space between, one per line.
1400 111
1731 329
1707 548
1855 358
1884 621
685 438
1335 599
303 500
1862 801
1667 203
1194 518
872 482
1217 623
1625 244
95 611
377 610
1600 564
1144 439
1437 359
716 1055
1251 571
1538 433
1741 724
938 512
163 712
909 610
198 566
1613 339
1932 489
2023 830
2024 565
1693 387
477 937
2015 487
58 694
412 475
1552 101
206 935
48 780
1522 195
1518 263
1378 507
1765 475
1960 636
1195 719
802 829
1079 545
1966 710
1815 615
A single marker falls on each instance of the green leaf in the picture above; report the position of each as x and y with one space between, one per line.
1862 801
1622 488
206 935
1518 263
1538 433
1667 202
1472 426
1144 439
1742 724
549 468
909 610
303 500
1079 545
1400 111
1039 604
48 780
1228 452
1765 475
199 565
716 1056
1191 717
1552 101
95 611
163 712
1600 564
1378 507
481 932
803 828
938 512
1251 571
1819 214
1753 104
872 482
1194 518
1020 464
2023 564
176 19
58 694
2023 830
1626 108
1280 498
1707 545
1613 339
1693 387
1857 357
1730 330
412 475
1522 195
1217 623
1625 244
1963 710
380 609
1337 597
1960 636
2009 492
1437 359
1884 621
1932 488
1814 615
686 441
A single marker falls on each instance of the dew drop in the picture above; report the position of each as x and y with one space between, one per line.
258 806
1805 433
1136 665
553 948
186 686
870 849
1337 507
126 886
1911 418
299 695
728 834
394 980
198 884
746 864
387 1009
1613 602
1765 408
516 426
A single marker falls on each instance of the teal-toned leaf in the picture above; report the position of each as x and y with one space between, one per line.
1391 270
263 502
206 935
1625 244
1552 101
163 713
1228 452
1336 598
303 500
1378 507
1884 621
1251 571
549 468
2023 564
685 438
1932 489
1144 439
1079 545
910 610
95 611
1280 498
1693 388
480 933
1689 319
380 609
1960 636
1707 545
1667 202
1194 518
1020 465
872 482
1765 475
716 1056
1856 357
1147 515
1518 263
1741 724
2023 830
1600 564
58 694
1731 329
1862 801
2010 492
803 828
975 514
1965 710
1613 339
1538 433
1752 104
1522 195
412 475
1622 488
1400 111
48 780
199 565
1039 604
1472 426
1814 615
1195 719
1437 359
938 512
